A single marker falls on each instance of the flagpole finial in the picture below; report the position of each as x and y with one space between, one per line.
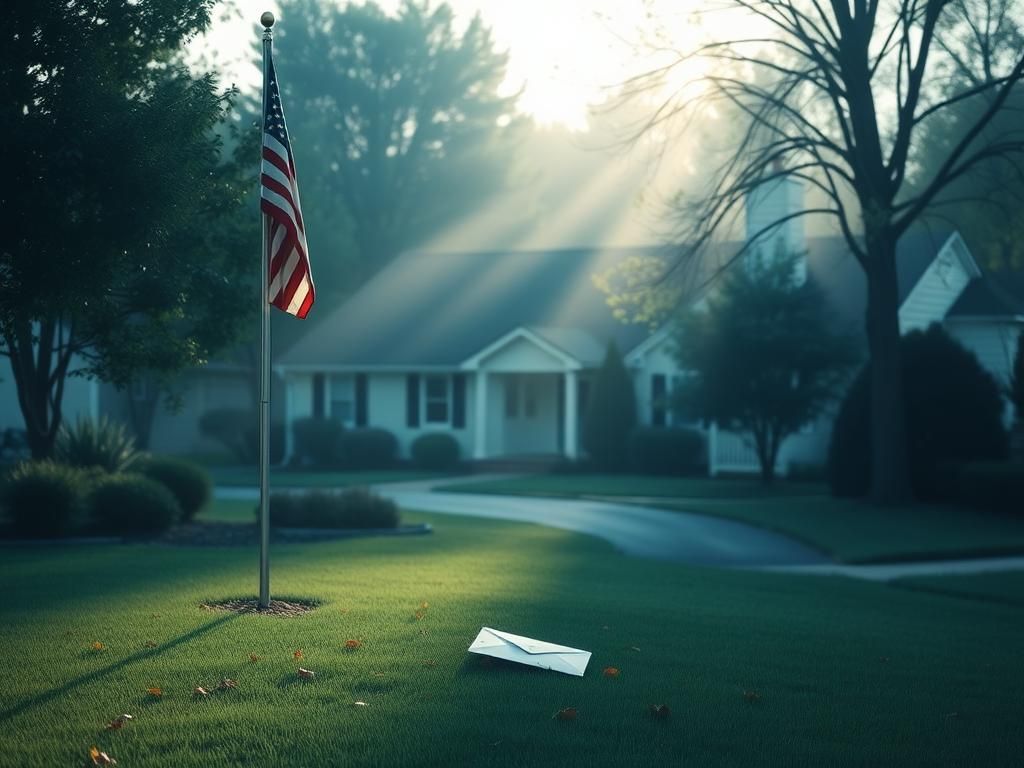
267 19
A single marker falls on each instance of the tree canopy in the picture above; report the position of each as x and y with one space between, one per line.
404 117
761 356
119 249
837 95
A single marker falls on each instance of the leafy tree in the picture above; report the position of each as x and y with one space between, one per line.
761 356
404 118
1015 390
119 250
610 414
837 95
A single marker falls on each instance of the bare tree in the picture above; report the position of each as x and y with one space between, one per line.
835 93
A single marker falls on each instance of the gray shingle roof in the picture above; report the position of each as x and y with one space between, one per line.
428 309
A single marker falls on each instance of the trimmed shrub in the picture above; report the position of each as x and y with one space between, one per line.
662 451
44 498
437 451
350 508
317 441
238 430
105 444
806 472
954 415
368 449
992 486
190 483
133 504
610 414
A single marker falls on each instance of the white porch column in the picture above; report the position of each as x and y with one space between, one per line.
571 430
480 416
289 410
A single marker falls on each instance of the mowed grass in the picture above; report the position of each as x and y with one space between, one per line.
847 530
577 485
998 586
838 672
226 477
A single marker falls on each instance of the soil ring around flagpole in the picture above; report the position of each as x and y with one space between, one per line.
287 608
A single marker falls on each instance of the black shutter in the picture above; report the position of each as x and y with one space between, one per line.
318 395
459 401
362 406
412 400
658 404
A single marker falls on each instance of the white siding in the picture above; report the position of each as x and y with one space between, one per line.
657 360
522 356
936 291
994 343
386 409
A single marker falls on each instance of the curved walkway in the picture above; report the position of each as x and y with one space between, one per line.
663 535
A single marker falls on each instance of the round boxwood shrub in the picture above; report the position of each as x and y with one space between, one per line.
190 483
663 451
46 499
317 441
953 409
369 448
131 503
437 452
350 508
992 486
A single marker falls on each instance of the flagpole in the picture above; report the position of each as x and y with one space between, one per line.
267 20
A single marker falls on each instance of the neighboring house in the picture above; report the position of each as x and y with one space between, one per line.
499 349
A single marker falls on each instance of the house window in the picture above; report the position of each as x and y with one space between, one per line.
677 412
437 394
342 399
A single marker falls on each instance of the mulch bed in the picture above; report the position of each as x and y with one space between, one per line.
247 534
251 605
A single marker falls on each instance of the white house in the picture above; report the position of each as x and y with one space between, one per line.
498 349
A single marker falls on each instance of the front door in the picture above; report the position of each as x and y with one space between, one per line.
531 414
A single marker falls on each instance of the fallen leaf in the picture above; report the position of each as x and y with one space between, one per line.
154 615
155 692
660 711
351 645
606 627
119 722
751 696
226 683
298 655
424 605
149 644
633 648
569 713
306 674
100 758
883 659
253 658
360 704
200 691
611 672
98 646
429 663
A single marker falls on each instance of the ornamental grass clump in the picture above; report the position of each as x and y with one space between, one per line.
104 443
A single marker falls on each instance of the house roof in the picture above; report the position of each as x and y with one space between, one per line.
430 309
995 294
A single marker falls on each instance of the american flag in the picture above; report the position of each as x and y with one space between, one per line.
291 282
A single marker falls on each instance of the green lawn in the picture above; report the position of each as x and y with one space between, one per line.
290 478
574 486
841 672
847 530
1001 587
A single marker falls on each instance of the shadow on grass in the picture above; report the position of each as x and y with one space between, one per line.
97 674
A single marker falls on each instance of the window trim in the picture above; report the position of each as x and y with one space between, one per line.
425 400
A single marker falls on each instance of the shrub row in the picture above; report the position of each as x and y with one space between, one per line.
325 443
350 508
52 499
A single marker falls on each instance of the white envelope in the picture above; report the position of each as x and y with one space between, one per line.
526 650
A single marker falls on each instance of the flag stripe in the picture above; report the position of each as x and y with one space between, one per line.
290 281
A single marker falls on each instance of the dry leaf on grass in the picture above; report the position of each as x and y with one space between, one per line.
351 645
569 713
98 646
751 696
297 654
119 722
149 644
429 663
253 658
360 704
226 683
611 672
100 758
200 691
659 711
155 692
306 674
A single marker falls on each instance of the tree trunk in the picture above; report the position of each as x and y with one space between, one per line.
890 471
765 454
